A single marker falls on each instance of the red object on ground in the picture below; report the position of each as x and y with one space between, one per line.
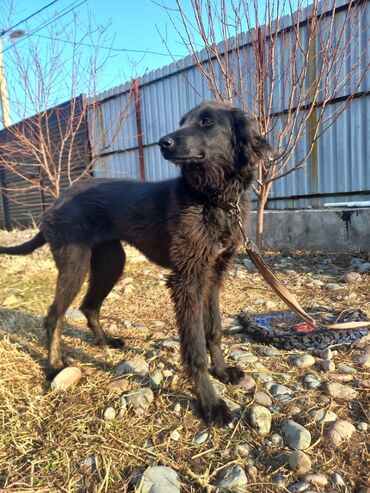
304 328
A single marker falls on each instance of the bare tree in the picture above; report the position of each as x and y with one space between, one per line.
283 65
50 150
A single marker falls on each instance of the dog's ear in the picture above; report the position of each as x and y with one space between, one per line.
250 146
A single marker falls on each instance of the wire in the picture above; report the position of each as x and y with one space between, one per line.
27 18
54 19
108 47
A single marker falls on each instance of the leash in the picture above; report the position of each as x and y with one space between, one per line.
289 299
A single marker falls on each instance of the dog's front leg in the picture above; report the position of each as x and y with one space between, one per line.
187 294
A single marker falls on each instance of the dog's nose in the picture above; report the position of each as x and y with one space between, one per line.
166 142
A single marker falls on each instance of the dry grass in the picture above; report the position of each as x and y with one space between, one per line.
46 436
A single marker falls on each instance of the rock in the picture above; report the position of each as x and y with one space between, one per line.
232 479
159 479
75 315
141 398
167 373
340 391
343 368
299 487
304 361
278 479
277 389
323 416
270 305
66 378
242 449
364 360
109 414
365 267
352 277
299 462
260 419
243 356
135 366
268 351
249 265
263 377
276 439
362 426
177 408
317 479
341 377
10 301
248 384
232 405
156 378
337 480
326 353
175 435
295 410
312 381
89 464
229 321
263 399
202 437
252 472
118 386
341 431
332 286
171 344
295 435
328 365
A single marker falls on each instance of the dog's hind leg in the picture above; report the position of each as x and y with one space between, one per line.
107 264
72 262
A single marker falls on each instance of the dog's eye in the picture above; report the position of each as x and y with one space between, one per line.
206 122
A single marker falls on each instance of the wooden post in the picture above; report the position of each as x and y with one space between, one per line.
139 130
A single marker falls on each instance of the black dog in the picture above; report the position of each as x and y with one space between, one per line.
182 224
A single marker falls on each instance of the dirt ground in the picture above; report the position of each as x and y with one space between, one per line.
60 441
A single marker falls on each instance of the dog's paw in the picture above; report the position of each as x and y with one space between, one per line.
217 413
231 374
114 342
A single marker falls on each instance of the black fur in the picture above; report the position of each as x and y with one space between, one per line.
181 224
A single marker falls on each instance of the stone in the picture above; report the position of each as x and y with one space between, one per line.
268 351
175 435
118 386
159 479
326 353
276 439
171 344
304 361
202 437
300 487
248 383
75 315
278 479
263 377
109 414
341 377
332 286
295 435
242 449
137 366
337 480
249 265
260 419
341 430
317 479
312 381
263 399
328 365
232 479
340 391
352 277
66 378
177 408
270 305
365 267
362 426
229 321
155 379
141 398
364 360
299 462
323 416
252 472
343 368
243 356
277 389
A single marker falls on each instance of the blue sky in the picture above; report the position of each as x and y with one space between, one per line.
137 27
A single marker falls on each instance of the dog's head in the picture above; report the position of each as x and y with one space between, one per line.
216 137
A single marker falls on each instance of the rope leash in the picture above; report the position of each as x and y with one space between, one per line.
289 299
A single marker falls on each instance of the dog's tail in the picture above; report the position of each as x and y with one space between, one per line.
25 248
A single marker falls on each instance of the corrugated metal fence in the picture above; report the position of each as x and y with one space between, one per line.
154 104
